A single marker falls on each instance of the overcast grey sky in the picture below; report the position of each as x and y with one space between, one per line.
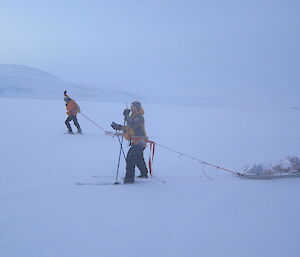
198 47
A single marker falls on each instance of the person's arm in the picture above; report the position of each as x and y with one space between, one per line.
68 109
118 126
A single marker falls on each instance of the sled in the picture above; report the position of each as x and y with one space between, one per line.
290 174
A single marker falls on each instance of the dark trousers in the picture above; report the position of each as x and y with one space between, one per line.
135 158
69 119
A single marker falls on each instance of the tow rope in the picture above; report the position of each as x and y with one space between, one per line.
97 125
152 152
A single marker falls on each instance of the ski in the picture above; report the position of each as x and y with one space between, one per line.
108 183
114 183
159 179
147 180
98 183
97 176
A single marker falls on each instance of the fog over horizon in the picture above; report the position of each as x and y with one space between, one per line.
220 49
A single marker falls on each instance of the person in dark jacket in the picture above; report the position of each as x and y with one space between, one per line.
135 132
72 111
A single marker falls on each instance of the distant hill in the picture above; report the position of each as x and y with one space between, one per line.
21 81
26 82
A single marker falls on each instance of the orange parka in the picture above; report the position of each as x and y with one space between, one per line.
72 108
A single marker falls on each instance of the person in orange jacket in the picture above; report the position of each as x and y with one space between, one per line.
134 132
72 110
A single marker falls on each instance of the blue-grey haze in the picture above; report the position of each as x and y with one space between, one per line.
200 48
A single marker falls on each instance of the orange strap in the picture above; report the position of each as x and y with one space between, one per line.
136 139
152 151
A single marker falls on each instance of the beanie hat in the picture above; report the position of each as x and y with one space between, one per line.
137 104
67 98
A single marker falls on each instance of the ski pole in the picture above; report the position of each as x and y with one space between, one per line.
121 145
121 149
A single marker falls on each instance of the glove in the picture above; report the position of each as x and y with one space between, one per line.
116 126
65 92
126 113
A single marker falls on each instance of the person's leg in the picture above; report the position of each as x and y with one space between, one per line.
130 165
67 122
140 162
77 124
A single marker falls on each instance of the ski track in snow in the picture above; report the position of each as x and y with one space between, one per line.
45 214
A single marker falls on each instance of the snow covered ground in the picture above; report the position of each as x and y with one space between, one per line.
45 214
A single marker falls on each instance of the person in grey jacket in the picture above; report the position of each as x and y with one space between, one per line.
135 132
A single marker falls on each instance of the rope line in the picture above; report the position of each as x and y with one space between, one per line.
196 159
97 125
169 149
